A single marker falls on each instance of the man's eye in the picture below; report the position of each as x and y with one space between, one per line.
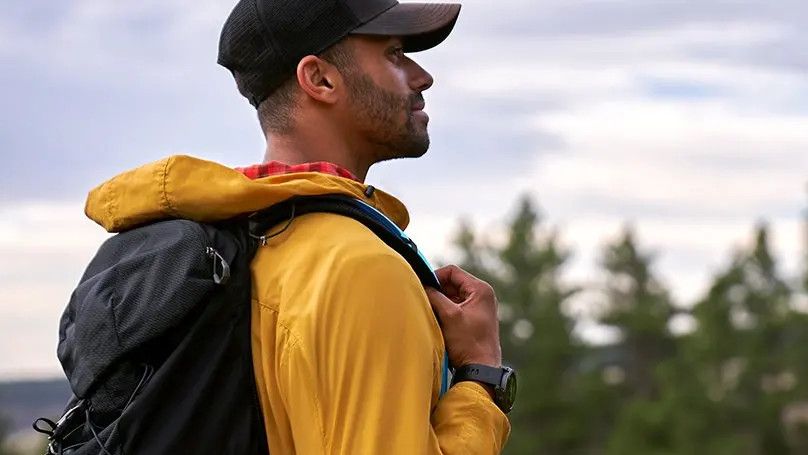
398 52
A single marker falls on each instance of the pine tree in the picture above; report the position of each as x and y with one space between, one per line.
638 306
704 418
474 255
805 251
796 412
535 331
745 347
765 298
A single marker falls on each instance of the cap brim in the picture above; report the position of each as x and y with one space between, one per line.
421 26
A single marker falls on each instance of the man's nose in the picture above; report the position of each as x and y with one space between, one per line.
420 78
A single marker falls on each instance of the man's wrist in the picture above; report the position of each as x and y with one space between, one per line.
493 361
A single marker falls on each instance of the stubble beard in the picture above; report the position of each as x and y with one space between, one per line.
379 112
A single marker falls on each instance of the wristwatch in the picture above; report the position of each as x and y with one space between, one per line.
503 379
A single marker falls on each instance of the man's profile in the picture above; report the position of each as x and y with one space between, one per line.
349 350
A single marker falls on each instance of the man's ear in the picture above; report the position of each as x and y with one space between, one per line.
319 79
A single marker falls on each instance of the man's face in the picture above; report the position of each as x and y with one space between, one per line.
385 100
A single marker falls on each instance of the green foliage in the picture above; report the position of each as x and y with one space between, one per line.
536 333
747 349
805 251
736 384
638 306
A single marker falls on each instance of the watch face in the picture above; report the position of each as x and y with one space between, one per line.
507 391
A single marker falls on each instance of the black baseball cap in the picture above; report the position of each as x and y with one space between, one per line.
262 41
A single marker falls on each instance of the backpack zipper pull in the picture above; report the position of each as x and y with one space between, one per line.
225 267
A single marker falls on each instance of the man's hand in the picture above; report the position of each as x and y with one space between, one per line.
468 317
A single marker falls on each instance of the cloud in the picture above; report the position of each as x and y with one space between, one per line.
91 40
698 156
99 87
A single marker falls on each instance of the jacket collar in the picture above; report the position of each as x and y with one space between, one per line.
191 188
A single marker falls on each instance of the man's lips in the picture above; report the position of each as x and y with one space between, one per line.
419 106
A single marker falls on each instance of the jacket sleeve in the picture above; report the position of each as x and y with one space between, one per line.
374 352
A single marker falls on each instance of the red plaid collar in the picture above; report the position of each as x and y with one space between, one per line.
269 168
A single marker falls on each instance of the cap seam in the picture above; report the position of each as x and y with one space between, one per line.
266 30
269 42
374 17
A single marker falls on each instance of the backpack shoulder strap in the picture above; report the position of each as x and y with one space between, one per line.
366 214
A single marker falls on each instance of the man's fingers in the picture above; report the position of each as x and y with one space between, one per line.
441 304
457 283
453 279
449 274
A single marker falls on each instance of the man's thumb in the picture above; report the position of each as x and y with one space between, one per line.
440 303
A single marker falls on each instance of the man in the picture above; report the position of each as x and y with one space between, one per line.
347 349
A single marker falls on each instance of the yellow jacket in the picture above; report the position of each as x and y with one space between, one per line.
346 349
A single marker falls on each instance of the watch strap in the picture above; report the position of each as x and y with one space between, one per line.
480 373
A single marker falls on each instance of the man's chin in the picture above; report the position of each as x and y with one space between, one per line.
418 147
409 149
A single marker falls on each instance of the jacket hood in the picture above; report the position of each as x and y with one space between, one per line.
191 188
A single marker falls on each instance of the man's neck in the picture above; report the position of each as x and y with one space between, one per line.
298 150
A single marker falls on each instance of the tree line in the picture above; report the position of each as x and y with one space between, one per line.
735 383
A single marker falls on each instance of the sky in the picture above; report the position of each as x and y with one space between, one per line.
686 120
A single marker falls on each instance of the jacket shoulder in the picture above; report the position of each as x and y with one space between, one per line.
316 253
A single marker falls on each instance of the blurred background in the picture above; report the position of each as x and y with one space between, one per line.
629 174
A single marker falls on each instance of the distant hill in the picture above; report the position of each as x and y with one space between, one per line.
22 402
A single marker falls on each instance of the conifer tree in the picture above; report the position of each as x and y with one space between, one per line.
805 251
745 346
535 332
639 307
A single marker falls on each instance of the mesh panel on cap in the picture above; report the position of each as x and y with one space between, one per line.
263 41
243 49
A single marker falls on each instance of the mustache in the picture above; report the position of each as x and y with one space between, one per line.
416 99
